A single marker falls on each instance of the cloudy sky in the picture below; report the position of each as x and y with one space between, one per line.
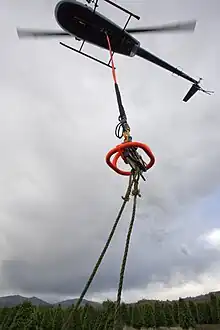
58 198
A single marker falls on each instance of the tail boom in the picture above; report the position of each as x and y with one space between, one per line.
158 61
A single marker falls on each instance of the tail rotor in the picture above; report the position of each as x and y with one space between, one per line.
194 89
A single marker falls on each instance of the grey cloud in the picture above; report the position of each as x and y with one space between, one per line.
27 276
58 198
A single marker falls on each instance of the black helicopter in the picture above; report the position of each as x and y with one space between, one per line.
87 24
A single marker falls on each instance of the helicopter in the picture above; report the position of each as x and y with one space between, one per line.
86 24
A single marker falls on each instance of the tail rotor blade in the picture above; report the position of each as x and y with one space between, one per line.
26 33
175 27
193 90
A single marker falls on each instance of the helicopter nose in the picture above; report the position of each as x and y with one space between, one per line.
62 8
65 5
58 6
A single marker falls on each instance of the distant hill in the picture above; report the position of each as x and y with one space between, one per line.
10 301
202 297
70 302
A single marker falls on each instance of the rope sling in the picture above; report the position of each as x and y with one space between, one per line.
127 150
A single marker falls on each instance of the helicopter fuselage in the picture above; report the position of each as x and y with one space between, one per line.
84 23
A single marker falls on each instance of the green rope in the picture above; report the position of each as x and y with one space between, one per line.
126 199
135 193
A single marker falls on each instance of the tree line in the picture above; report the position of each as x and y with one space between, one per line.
184 313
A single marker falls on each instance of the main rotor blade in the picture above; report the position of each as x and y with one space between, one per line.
174 27
26 33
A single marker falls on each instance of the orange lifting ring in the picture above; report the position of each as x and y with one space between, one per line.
118 152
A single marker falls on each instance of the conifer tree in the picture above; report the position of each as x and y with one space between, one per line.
84 317
58 318
34 322
175 308
201 312
214 303
109 307
148 316
92 315
129 313
10 316
208 313
4 315
47 319
74 321
137 319
160 317
23 316
124 312
170 322
194 311
101 320
185 316
87 318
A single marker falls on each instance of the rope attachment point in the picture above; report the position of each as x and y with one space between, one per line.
128 149
128 152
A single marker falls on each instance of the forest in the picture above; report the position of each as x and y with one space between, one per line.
185 313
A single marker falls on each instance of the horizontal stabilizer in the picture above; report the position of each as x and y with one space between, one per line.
195 88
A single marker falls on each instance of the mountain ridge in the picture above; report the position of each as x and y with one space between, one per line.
13 300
